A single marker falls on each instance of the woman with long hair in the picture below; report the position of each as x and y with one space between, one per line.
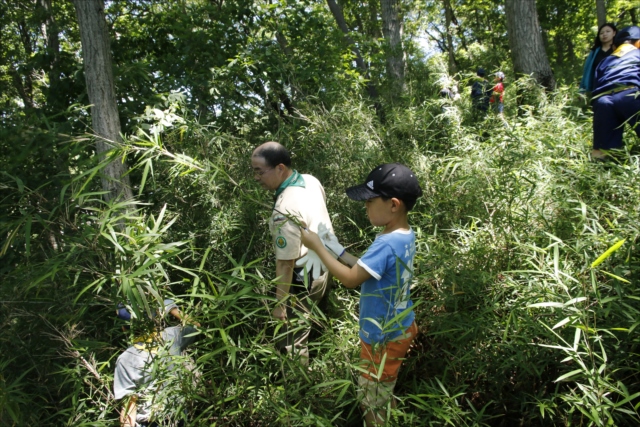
602 47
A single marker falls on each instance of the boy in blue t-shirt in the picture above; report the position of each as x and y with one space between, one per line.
387 325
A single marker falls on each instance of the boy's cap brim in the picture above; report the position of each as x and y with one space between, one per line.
387 180
361 192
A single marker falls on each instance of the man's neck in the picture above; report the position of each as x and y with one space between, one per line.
286 176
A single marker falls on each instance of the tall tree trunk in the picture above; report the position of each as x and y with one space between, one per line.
392 26
601 12
96 55
525 41
449 17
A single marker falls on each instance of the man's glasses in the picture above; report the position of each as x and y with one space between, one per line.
259 172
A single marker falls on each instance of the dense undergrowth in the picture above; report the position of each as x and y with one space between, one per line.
519 323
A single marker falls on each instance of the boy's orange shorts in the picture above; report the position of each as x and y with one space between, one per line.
395 350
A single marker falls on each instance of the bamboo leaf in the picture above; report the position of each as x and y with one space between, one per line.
147 167
615 277
546 304
607 253
574 301
562 323
568 375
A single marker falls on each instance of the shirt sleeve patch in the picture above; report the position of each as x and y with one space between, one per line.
281 242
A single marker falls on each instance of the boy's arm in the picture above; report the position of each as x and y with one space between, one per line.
349 259
351 275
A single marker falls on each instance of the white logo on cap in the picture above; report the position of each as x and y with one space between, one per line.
370 184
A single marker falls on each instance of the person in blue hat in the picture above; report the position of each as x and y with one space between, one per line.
146 368
616 96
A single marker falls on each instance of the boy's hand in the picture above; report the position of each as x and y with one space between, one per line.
309 238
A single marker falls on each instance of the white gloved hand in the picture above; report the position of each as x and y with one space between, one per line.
330 241
311 263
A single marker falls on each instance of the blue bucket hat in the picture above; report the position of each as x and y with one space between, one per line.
123 313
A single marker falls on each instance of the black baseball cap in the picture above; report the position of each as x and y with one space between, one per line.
627 33
388 180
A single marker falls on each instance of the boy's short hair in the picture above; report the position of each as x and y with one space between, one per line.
389 180
480 72
274 154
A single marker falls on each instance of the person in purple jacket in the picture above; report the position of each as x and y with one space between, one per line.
616 96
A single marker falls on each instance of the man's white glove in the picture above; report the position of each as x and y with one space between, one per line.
312 263
330 241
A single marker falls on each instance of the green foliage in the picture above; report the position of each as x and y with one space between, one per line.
516 324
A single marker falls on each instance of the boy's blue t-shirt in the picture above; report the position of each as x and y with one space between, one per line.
389 260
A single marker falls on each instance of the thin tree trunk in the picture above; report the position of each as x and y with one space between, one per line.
51 35
96 56
392 27
24 87
373 20
289 102
601 12
448 17
560 49
525 40
342 24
